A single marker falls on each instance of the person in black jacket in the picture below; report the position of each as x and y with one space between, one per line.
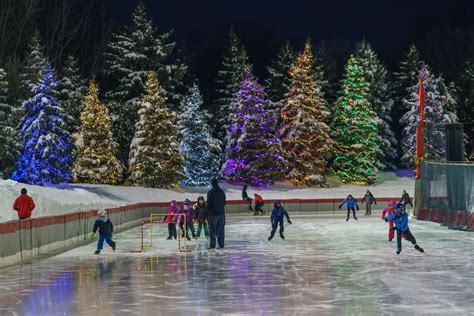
405 199
246 197
106 228
216 215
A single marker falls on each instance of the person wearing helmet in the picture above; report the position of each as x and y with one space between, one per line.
388 211
106 228
276 218
401 225
200 215
189 212
170 218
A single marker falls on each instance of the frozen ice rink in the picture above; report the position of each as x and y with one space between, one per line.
326 266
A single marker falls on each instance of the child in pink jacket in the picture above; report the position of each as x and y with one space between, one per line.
387 211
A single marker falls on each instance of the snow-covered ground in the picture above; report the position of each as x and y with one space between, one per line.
81 197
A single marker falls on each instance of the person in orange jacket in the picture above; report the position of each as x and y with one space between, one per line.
258 204
24 205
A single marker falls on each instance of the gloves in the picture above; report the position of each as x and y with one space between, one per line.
340 206
357 207
91 235
386 220
289 222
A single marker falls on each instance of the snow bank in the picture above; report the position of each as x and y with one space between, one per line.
81 197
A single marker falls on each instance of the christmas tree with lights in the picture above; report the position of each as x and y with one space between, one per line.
201 152
304 134
355 129
96 161
47 151
155 160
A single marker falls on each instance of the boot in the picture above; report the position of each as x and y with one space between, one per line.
97 252
169 238
419 249
282 237
270 238
398 251
187 237
114 244
347 219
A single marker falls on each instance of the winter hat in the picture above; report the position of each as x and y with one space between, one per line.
215 182
101 213
276 202
201 198
187 202
23 191
173 203
399 207
392 203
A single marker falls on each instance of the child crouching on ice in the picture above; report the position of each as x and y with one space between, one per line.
171 219
401 225
106 228
276 218
200 215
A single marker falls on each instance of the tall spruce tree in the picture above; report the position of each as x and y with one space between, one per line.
278 83
466 104
71 91
47 151
228 81
131 54
8 146
96 161
201 152
380 97
325 72
435 117
155 160
304 134
355 129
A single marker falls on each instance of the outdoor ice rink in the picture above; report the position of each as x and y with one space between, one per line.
326 266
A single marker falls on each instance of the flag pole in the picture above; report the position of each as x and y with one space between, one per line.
420 128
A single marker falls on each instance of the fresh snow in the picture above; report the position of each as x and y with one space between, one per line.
83 197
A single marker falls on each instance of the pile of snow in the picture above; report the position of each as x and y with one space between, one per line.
82 197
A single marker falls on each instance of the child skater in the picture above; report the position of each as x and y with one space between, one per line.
105 227
276 218
186 209
200 215
171 219
350 203
401 224
388 211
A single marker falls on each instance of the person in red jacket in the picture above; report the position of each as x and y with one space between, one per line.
24 205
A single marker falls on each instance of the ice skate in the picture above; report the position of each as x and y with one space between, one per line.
114 244
169 238
347 219
398 251
270 238
419 249
282 237
97 252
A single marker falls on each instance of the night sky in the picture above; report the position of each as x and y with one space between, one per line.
263 25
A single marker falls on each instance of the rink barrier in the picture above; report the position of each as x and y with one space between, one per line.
25 239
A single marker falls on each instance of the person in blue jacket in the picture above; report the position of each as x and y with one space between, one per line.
106 228
350 203
276 218
401 225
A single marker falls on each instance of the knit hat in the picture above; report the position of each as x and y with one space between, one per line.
173 203
392 203
187 202
101 213
23 191
276 202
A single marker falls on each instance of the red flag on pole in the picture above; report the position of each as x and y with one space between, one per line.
420 129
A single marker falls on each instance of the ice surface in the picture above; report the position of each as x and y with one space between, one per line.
326 266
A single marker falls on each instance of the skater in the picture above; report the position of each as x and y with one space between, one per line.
401 225
189 212
171 219
350 203
246 197
106 228
24 205
216 214
388 211
368 199
276 218
200 216
258 204
405 199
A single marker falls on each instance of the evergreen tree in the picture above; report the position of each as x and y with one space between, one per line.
278 83
47 151
435 117
8 147
96 161
228 81
34 64
256 156
155 160
71 92
380 97
325 72
130 55
355 129
304 134
201 152
466 104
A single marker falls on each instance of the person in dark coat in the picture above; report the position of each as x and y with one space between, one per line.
246 197
401 225
405 199
200 213
368 199
350 203
24 205
276 218
106 228
216 214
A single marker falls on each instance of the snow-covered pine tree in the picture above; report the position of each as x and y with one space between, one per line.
71 91
466 104
201 152
256 158
155 160
380 97
435 117
228 81
131 54
8 146
47 150
355 129
96 161
278 83
325 72
304 134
